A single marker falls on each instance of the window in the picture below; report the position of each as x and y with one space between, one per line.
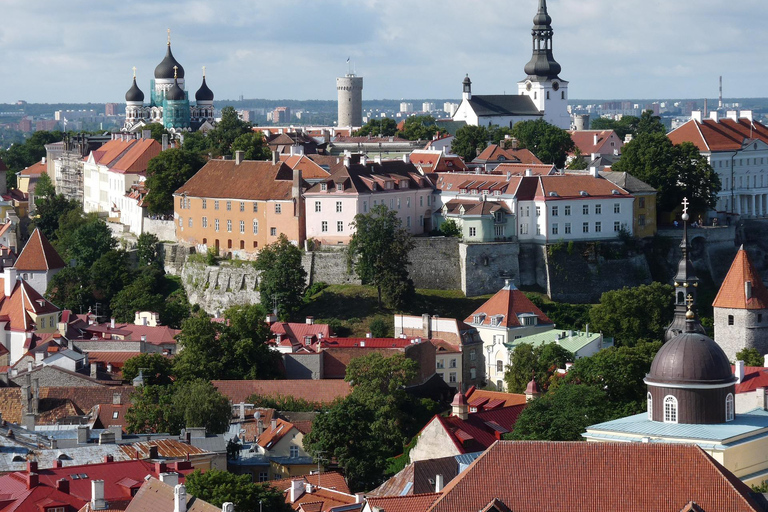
255 207
498 230
472 355
585 209
567 210
641 220
472 373
115 414
229 206
554 229
567 228
453 363
408 221
189 222
499 366
242 206
441 363
598 209
538 211
421 220
365 206
205 222
263 476
273 231
338 206
407 202
523 229
242 226
324 226
340 226
538 229
215 205
598 227
641 202
500 384
730 319
452 377
294 451
339 187
216 224
229 226
181 202
616 208
670 409
759 318
181 222
472 231
585 227
429 200
323 187
205 204
729 407
278 208
398 203
318 206
554 211
617 226
650 406
255 227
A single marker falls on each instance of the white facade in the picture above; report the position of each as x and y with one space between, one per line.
448 367
551 98
466 113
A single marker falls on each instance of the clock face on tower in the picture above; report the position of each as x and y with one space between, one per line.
555 85
528 86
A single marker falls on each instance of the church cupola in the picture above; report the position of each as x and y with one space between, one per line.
204 94
175 93
466 88
542 65
134 94
169 68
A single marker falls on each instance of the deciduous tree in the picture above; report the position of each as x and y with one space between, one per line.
549 143
469 141
420 128
282 278
156 369
218 487
385 127
540 362
166 173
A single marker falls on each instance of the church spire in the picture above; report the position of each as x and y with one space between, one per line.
542 65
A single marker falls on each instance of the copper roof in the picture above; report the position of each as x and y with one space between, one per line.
733 291
690 358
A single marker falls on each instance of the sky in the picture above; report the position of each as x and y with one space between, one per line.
80 51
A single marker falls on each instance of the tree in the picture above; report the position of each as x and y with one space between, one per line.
156 369
750 356
378 251
201 354
152 411
469 141
540 362
218 487
562 414
420 128
157 130
148 249
675 171
450 228
244 340
634 314
70 289
549 143
384 127
109 275
649 123
138 295
166 173
44 188
282 278
229 128
201 405
253 145
579 162
49 210
88 242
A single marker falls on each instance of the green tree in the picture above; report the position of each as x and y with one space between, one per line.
540 362
750 356
244 340
450 228
88 242
549 143
166 173
109 275
253 145
138 295
49 210
201 356
218 487
156 369
562 414
44 188
469 141
196 142
200 404
634 314
152 411
148 249
157 130
649 123
70 289
384 127
579 162
378 251
420 128
221 138
282 278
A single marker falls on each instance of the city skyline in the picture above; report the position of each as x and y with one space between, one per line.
84 51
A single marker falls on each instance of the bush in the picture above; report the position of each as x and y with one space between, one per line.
314 289
284 403
379 327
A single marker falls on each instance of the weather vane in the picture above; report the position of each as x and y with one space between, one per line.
175 71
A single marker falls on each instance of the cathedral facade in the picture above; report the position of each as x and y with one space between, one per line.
169 102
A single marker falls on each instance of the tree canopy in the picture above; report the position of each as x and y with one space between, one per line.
378 251
540 362
420 128
750 356
155 369
549 143
384 127
632 125
218 487
228 129
282 278
469 141
166 173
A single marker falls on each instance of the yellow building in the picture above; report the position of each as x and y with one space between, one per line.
644 207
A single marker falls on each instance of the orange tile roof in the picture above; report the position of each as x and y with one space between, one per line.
507 399
35 170
571 185
155 496
111 151
454 182
137 157
522 169
408 503
322 391
308 167
38 254
725 135
23 301
508 302
493 153
271 436
251 179
658 477
329 480
584 140
732 292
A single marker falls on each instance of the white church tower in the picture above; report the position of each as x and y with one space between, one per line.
543 85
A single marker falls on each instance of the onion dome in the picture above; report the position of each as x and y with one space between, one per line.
466 80
532 388
542 18
134 93
204 93
459 399
542 65
175 93
166 68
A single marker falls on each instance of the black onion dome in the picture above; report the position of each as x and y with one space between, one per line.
690 358
543 65
466 80
134 93
204 93
175 93
165 68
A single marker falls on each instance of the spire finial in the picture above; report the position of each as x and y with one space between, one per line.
134 72
175 72
169 37
685 206
203 71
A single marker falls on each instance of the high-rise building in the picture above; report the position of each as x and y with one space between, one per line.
350 91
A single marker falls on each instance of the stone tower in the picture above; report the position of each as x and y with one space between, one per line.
350 89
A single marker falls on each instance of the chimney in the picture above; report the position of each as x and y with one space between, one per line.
586 330
57 463
274 157
438 483
179 498
153 454
117 430
31 466
760 395
297 488
108 459
107 437
97 495
369 335
359 497
62 485
732 114
744 114
112 323
160 467
242 411
363 159
765 360
94 370
83 433
310 320
713 115
696 115
117 398
171 479
594 140
738 371
528 172
239 154
227 506
32 480
29 363
426 326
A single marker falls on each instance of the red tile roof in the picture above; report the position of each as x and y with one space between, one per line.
295 332
481 429
725 135
475 396
322 391
455 182
570 186
532 476
23 301
733 292
250 180
271 436
523 169
508 302
495 153
330 480
35 170
38 255
136 158
308 167
584 140
408 503
754 377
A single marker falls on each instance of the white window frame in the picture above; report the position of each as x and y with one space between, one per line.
670 409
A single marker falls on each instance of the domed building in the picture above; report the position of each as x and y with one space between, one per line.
169 102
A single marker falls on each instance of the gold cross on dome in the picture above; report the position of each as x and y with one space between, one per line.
134 71
689 301
203 71
175 70
685 205
169 37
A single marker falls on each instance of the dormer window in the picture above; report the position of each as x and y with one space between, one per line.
478 319
528 319
496 320
323 187
339 187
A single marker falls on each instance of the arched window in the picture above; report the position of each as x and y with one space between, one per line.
670 409
729 407
650 406
680 298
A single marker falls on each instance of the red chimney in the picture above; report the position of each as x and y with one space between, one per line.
31 466
57 463
109 458
32 480
63 485
160 467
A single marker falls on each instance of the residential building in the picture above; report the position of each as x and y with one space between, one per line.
357 188
506 316
282 444
144 335
736 147
741 309
408 502
239 206
643 208
323 492
579 343
495 154
479 221
590 143
291 336
38 262
427 161
165 496
26 179
424 476
448 362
